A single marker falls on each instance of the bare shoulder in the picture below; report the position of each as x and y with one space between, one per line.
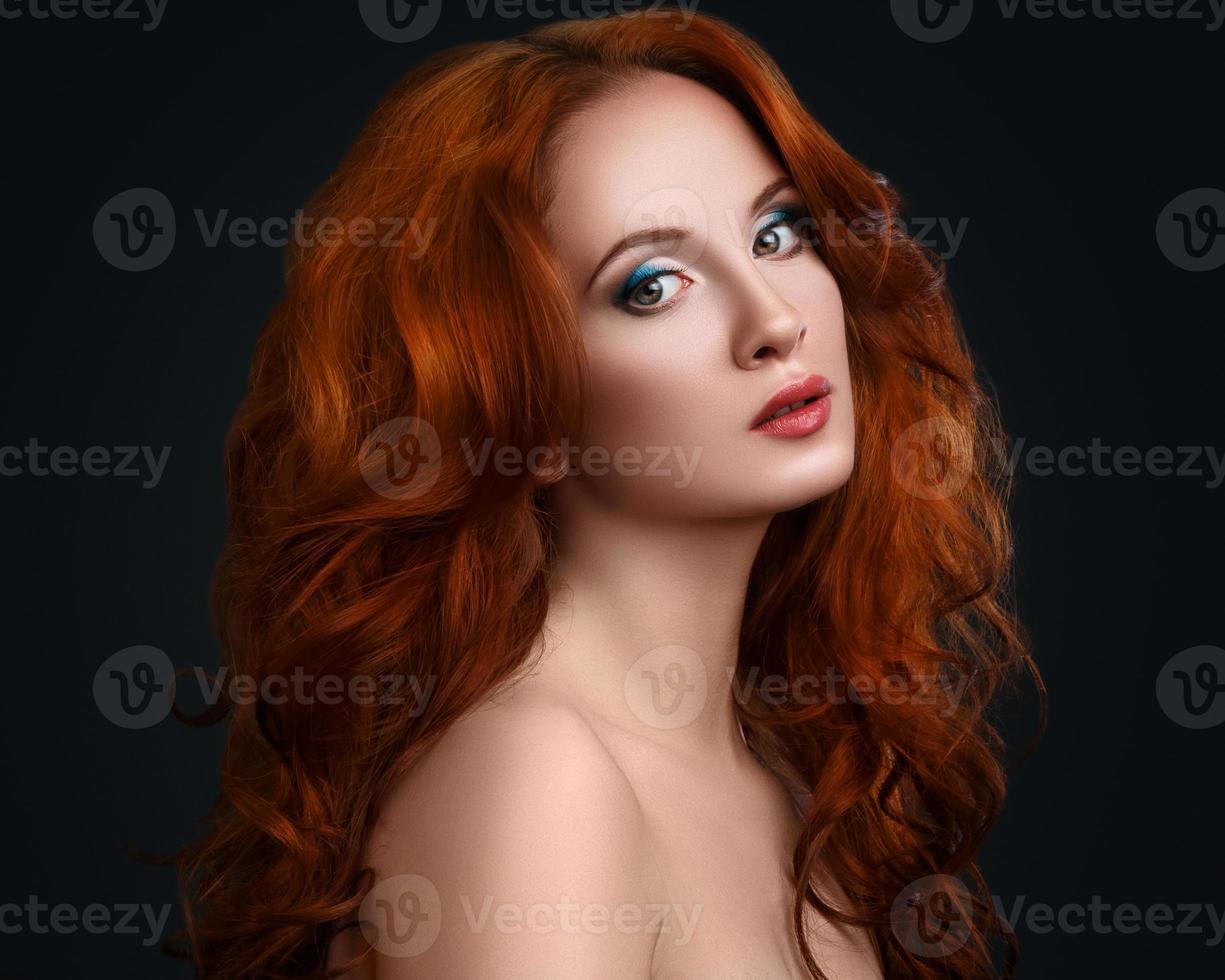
519 847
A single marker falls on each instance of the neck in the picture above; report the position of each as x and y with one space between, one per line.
644 621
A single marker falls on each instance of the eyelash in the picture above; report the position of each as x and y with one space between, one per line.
645 273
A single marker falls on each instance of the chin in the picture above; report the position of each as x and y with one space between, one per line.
793 499
760 488
788 487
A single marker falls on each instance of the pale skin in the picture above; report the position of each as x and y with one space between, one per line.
577 826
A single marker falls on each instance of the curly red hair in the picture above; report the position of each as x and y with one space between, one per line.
479 336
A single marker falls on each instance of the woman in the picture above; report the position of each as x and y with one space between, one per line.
621 483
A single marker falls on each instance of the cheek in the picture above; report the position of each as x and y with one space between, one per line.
642 394
814 292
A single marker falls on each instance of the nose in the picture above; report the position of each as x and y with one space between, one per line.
767 326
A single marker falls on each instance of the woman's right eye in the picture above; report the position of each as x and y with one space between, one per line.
650 289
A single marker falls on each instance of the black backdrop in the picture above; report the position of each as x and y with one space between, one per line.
1038 153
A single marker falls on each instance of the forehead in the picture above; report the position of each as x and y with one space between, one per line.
656 145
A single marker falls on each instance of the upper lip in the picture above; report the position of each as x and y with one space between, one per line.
797 391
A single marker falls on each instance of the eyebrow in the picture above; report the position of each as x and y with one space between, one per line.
674 234
762 199
636 239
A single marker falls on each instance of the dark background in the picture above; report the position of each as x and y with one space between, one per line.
1059 141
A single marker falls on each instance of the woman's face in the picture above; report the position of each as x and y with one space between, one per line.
698 302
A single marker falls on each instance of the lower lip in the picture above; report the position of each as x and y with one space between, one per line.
802 422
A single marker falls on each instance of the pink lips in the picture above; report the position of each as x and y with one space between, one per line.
800 421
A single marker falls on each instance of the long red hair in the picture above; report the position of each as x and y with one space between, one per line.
477 334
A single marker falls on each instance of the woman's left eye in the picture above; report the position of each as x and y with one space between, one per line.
778 237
